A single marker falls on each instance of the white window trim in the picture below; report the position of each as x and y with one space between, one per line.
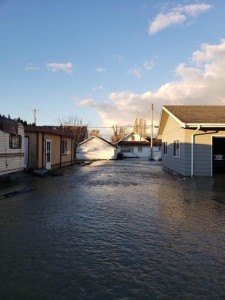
66 152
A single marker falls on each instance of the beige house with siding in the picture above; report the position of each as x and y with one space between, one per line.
193 139
47 148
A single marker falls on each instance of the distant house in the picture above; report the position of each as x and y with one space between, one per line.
133 145
193 139
47 148
11 146
96 148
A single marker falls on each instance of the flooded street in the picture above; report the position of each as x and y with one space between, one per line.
113 230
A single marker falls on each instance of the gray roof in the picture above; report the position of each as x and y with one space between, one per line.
201 114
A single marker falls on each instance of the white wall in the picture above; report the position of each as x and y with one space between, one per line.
134 137
11 160
146 151
95 149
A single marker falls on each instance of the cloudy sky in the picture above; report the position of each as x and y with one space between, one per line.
108 61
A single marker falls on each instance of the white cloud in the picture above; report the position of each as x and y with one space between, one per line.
97 88
209 53
31 67
65 67
176 16
100 70
194 85
136 72
194 10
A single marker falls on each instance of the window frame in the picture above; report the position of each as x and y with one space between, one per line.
165 148
176 148
127 149
15 144
140 149
64 146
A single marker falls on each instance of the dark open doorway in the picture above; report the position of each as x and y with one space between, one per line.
218 155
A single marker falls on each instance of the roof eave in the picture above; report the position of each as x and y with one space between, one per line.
205 125
174 117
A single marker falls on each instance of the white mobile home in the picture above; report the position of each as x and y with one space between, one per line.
11 146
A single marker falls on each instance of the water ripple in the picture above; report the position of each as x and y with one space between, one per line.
115 230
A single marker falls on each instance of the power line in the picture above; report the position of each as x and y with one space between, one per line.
124 126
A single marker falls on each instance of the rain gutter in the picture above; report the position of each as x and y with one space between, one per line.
192 149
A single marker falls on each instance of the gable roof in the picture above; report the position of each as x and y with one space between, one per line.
193 116
8 125
129 134
198 114
98 138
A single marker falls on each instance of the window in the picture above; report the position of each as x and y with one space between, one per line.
127 149
15 141
133 137
176 148
64 146
140 149
164 148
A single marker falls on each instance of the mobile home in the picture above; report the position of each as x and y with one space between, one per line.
11 146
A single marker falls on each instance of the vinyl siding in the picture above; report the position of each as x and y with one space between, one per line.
37 150
95 149
202 150
11 160
173 131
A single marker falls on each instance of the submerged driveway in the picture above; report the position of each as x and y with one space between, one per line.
113 230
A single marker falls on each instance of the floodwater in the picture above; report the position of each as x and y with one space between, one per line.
113 230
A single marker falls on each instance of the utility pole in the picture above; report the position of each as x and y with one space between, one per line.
151 155
35 111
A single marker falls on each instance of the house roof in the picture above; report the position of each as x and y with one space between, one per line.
129 134
50 130
133 143
8 125
198 113
193 116
98 138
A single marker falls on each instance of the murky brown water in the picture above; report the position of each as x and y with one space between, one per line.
113 230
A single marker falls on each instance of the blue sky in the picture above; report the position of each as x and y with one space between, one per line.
108 61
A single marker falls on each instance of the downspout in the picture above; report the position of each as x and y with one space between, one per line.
192 149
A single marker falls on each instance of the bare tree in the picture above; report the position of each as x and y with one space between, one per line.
77 127
118 133
140 127
94 132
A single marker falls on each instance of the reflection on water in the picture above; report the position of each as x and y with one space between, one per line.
113 230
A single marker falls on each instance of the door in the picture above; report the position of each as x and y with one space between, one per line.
48 154
218 154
